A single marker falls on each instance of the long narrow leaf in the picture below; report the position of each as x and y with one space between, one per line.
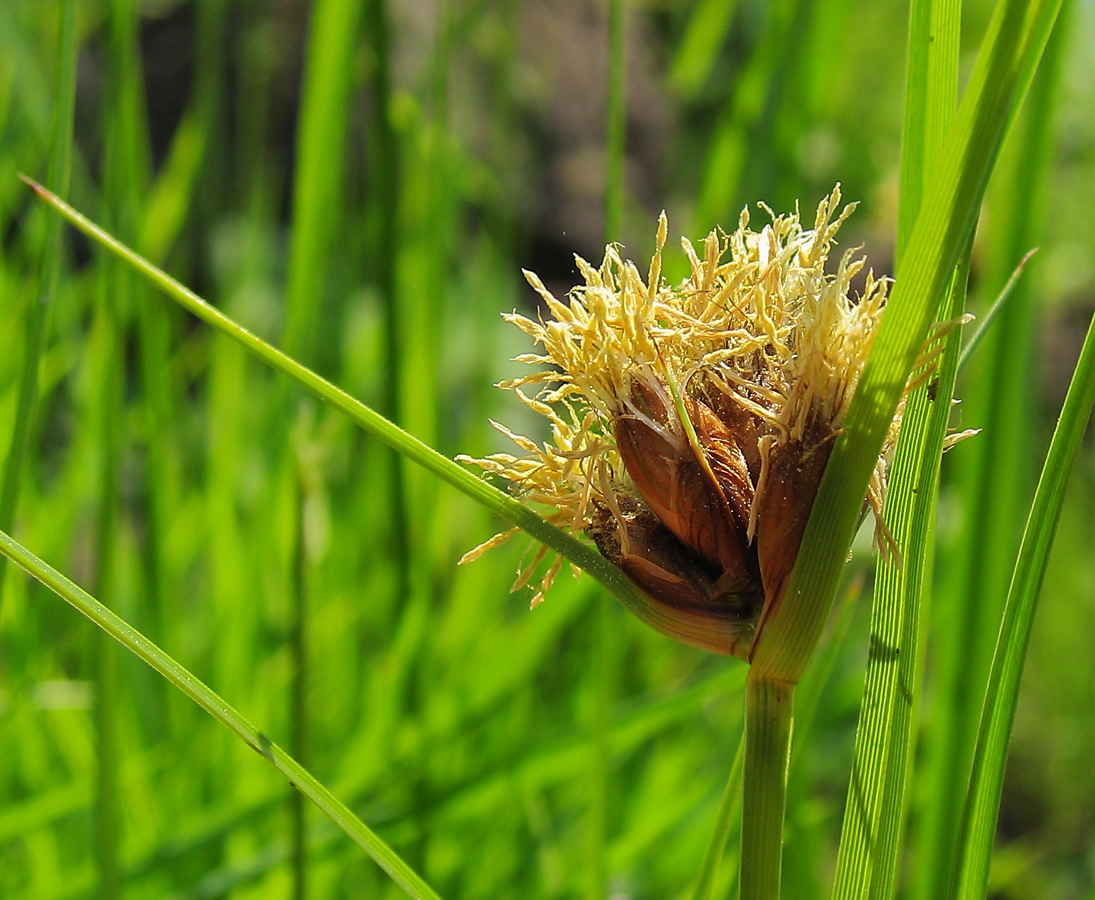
993 483
320 152
413 449
990 755
874 812
724 822
1005 66
220 710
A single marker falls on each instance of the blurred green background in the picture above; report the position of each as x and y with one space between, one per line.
360 182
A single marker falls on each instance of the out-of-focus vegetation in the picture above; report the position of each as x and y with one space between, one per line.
360 182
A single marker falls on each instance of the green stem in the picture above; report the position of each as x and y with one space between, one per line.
993 479
601 747
769 716
126 635
124 178
318 176
60 166
617 120
298 698
604 635
106 812
106 681
384 169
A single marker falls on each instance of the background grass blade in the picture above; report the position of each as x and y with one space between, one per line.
318 180
383 198
752 96
604 659
724 823
60 167
220 710
126 163
318 190
697 54
986 320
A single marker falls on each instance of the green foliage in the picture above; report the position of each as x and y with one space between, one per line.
360 184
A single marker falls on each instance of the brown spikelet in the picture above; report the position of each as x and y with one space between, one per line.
697 484
718 616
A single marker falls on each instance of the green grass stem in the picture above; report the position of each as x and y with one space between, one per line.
105 677
931 98
984 322
604 642
769 715
383 200
124 174
993 478
807 701
308 475
600 759
59 171
867 863
317 182
728 154
697 54
317 197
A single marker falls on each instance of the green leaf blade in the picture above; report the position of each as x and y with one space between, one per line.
868 859
978 827
222 711
1016 33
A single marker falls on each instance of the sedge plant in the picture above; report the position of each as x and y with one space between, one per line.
713 486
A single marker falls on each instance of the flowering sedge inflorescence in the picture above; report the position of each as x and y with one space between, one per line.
691 424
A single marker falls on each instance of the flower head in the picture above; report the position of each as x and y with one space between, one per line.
691 424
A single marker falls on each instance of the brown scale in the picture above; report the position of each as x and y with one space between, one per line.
704 502
673 576
783 507
747 427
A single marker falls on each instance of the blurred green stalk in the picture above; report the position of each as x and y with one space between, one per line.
603 646
58 173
